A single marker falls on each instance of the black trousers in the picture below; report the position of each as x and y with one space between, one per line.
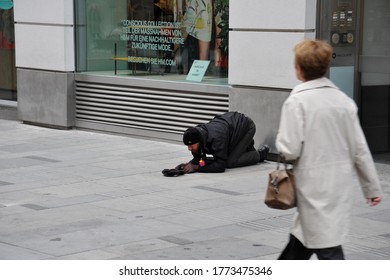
295 250
244 153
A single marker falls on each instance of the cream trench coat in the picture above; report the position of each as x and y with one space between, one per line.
320 128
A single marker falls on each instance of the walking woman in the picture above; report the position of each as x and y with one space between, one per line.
319 129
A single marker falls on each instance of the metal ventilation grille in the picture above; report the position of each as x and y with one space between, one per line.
146 108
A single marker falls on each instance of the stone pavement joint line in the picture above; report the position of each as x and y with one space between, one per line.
74 194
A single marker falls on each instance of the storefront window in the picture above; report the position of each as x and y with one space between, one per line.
153 37
7 51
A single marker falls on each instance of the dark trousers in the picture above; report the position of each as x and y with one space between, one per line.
295 250
244 153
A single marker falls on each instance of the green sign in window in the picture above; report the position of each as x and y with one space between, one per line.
6 4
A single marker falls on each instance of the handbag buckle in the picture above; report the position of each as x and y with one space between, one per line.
274 182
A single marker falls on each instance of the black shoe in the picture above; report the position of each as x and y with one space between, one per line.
263 152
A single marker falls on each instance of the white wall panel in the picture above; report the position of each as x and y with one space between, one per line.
44 11
45 47
264 59
272 14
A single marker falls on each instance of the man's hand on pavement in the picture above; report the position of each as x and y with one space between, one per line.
181 166
190 168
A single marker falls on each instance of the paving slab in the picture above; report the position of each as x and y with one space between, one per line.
76 194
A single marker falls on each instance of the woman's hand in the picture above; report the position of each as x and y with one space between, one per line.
374 201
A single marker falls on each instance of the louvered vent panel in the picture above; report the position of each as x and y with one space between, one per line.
144 108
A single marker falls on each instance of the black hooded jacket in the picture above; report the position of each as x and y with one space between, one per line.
219 137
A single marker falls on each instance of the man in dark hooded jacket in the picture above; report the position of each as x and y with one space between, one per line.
228 138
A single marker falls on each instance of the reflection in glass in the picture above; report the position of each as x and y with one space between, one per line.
153 37
7 52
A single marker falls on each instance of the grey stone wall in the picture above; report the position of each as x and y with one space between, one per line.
46 98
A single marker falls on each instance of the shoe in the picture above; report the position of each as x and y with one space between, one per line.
263 152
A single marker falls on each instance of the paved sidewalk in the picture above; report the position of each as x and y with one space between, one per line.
87 195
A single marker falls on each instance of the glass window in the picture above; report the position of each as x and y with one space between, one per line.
375 75
156 38
7 51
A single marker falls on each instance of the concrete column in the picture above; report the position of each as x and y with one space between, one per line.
45 61
261 58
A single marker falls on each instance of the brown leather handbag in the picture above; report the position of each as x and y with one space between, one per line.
281 193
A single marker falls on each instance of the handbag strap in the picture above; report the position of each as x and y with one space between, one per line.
281 158
275 180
